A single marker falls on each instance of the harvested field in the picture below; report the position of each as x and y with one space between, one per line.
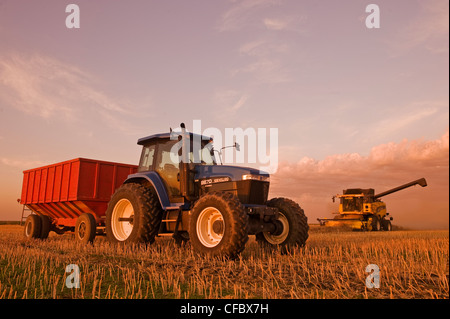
412 264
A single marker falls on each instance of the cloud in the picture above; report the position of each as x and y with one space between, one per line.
398 119
239 103
259 14
287 23
391 125
429 30
263 59
265 66
312 182
411 153
28 85
275 24
242 13
390 157
230 100
42 86
21 164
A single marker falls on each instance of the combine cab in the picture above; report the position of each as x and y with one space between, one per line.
361 209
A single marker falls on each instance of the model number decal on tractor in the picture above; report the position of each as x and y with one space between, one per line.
210 181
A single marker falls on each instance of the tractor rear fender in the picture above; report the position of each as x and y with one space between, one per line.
157 184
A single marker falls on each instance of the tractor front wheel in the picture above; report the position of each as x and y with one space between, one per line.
294 223
218 225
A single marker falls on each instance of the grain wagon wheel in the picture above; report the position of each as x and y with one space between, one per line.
45 226
133 215
294 225
32 227
218 225
85 228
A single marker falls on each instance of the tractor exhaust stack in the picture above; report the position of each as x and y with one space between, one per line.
184 165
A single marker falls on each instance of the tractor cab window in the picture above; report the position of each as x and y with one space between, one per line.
168 168
146 162
162 158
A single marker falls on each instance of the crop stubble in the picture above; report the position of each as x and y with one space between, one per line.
413 264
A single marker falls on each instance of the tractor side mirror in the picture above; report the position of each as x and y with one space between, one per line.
237 146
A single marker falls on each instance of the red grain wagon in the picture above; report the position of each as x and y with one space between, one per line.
71 196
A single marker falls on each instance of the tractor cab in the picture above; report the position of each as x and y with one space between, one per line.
161 153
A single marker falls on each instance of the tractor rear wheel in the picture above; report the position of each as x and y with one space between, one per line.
294 225
133 215
218 225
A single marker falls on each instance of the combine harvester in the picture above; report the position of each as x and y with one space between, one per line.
361 209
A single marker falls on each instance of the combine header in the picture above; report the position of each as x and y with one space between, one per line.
361 209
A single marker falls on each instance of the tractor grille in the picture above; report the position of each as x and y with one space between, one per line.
253 192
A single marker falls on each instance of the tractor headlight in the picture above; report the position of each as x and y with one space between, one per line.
256 177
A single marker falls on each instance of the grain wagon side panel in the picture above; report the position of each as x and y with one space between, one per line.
105 181
43 185
50 184
23 196
63 191
88 182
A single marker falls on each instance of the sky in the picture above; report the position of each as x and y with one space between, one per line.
353 106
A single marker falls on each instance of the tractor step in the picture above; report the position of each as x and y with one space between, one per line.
166 234
169 220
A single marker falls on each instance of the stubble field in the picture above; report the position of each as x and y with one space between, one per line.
412 264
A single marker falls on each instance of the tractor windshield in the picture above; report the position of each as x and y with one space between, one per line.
203 155
157 154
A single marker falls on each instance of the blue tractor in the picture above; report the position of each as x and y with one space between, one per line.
187 195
